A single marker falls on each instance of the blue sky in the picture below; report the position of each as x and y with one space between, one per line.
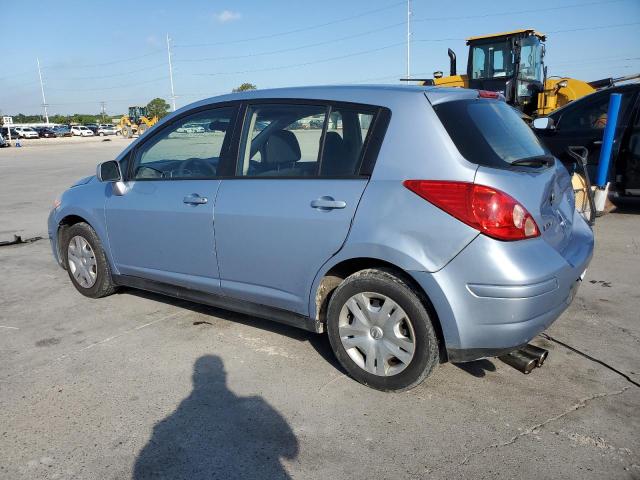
98 51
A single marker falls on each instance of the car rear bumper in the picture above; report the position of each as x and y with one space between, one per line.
495 296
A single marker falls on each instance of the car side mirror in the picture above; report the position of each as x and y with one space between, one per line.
544 123
109 171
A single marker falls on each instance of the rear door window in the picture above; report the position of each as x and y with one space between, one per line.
286 140
489 132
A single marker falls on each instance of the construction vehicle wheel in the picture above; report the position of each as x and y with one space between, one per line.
127 132
142 128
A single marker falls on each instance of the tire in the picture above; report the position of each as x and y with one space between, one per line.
94 278
411 336
101 134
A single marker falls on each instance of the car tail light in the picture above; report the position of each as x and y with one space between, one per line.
492 212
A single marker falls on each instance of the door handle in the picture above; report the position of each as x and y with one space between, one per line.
195 199
597 142
327 203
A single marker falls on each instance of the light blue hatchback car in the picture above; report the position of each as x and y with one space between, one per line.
412 224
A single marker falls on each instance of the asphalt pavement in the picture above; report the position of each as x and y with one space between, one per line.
141 386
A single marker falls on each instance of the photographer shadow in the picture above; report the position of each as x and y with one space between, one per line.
216 434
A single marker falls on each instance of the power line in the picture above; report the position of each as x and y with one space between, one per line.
122 74
297 30
291 49
104 64
295 65
107 88
598 27
507 13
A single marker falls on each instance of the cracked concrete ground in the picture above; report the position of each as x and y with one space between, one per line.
136 384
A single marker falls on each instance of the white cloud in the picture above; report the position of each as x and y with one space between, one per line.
153 41
227 16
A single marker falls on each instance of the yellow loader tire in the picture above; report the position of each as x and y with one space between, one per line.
142 128
127 132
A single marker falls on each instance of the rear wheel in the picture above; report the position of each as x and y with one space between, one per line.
86 262
381 332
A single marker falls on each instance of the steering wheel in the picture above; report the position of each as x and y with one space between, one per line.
196 165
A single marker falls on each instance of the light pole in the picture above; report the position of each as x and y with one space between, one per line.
44 100
408 39
173 95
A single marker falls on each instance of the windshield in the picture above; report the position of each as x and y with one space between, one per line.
531 59
489 132
492 60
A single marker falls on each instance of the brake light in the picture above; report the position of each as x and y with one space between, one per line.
490 211
488 94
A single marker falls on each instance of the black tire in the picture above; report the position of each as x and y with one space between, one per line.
426 353
103 285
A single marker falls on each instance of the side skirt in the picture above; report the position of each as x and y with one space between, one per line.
241 306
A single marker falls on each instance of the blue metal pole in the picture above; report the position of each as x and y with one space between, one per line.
607 140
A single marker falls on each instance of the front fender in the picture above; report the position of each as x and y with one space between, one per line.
87 202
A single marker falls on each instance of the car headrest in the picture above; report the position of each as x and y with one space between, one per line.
282 147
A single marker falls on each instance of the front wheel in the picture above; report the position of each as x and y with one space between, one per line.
381 332
86 261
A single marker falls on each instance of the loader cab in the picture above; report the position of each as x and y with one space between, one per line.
136 113
511 63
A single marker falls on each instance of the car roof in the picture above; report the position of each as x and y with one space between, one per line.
382 95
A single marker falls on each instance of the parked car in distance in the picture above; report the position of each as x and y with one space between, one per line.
62 131
191 128
3 142
93 127
5 133
26 132
581 123
45 132
81 130
432 226
107 130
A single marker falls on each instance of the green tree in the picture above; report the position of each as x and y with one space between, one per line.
244 87
159 107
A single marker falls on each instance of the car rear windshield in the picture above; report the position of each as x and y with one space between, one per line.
489 132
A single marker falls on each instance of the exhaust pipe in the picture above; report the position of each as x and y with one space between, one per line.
526 359
452 62
520 361
540 353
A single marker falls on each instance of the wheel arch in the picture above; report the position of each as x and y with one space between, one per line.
333 275
73 217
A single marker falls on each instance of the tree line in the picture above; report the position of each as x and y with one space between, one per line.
156 107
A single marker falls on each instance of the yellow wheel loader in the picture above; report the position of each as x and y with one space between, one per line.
136 123
512 63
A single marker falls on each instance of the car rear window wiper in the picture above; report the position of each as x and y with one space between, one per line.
536 161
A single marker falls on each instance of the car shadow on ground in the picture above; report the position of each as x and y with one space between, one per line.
216 434
478 368
319 342
626 206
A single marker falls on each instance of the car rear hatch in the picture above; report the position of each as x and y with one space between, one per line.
510 158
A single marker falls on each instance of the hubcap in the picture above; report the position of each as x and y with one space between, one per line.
82 262
376 333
